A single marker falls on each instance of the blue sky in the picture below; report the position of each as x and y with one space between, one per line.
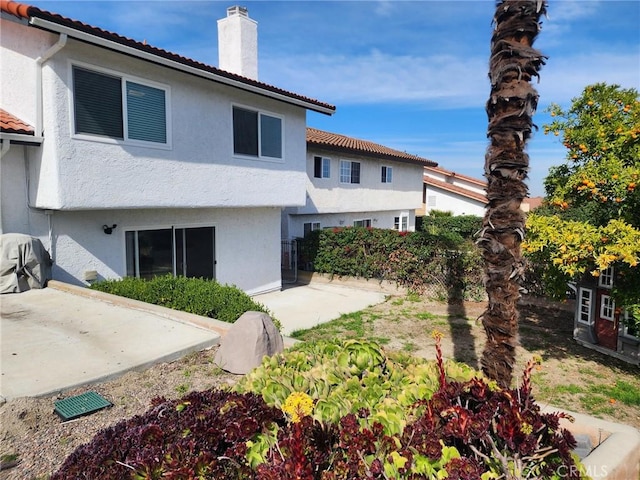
411 75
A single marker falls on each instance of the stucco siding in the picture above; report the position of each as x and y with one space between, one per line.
18 72
294 227
437 199
247 242
328 195
198 169
13 191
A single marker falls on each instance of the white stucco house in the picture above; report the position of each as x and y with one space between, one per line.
353 182
459 194
453 192
126 159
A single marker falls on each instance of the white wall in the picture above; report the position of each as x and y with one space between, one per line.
244 258
328 195
13 191
438 199
17 75
198 170
380 219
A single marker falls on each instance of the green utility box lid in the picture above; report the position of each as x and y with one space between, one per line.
79 405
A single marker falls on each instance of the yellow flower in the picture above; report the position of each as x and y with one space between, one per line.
437 335
298 405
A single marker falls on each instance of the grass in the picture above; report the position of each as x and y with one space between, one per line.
570 377
348 325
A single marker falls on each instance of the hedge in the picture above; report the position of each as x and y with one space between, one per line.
194 295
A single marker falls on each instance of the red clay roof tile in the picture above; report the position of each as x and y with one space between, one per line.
456 189
449 173
12 124
342 143
25 11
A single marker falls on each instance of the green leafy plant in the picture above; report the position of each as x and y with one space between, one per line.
194 295
413 419
416 260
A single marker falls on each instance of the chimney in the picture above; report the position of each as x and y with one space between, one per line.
238 43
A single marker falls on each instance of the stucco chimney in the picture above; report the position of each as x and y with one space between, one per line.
238 43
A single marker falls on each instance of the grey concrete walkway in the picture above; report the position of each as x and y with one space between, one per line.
305 306
65 336
52 340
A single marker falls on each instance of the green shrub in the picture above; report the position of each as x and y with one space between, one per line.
466 226
194 295
347 376
416 260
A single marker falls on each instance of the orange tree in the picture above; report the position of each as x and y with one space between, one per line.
592 217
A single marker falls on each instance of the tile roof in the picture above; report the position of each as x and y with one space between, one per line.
342 143
28 12
456 189
12 124
449 173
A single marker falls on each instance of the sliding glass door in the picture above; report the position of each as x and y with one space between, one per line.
189 252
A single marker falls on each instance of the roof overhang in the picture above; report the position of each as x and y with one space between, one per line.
20 139
173 64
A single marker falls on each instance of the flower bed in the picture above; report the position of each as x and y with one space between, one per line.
338 410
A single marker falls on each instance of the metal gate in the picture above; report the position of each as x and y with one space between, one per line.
289 261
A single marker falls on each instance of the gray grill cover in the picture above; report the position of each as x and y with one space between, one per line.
24 263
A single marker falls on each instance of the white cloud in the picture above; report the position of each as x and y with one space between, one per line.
440 80
566 78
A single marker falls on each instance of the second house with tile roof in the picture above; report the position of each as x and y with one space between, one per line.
353 182
128 160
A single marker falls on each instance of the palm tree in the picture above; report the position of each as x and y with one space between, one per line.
513 100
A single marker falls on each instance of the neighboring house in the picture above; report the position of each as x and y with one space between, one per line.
352 182
449 191
599 322
128 160
459 194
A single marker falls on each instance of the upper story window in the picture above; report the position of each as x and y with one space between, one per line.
256 134
321 167
387 174
119 107
349 172
606 278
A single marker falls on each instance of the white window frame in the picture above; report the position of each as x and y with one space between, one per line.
585 297
260 156
312 227
363 222
401 222
344 163
124 78
386 174
605 280
607 307
625 328
324 162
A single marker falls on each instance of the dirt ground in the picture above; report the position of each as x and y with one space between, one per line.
30 429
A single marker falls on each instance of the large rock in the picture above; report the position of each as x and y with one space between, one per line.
248 340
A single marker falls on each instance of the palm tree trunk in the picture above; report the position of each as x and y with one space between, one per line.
510 108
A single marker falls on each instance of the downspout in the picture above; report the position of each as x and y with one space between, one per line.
6 145
55 48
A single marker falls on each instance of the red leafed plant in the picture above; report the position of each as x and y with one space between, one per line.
466 429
